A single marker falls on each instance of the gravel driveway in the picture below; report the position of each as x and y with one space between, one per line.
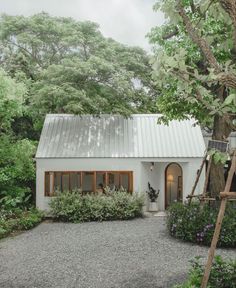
119 254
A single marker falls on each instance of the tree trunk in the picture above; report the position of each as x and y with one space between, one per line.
221 131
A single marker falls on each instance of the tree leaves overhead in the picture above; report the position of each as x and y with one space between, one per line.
73 68
195 50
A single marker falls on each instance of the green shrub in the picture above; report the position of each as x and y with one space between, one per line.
223 274
72 206
19 198
17 172
196 224
18 220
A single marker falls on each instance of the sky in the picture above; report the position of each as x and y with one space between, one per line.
127 21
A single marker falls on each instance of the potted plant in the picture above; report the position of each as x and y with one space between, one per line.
153 195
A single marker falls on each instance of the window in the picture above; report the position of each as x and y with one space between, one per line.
100 180
75 180
113 180
88 181
65 182
57 181
47 184
124 181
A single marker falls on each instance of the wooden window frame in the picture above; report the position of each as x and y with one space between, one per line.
106 172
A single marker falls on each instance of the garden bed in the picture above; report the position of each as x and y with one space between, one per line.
17 220
196 224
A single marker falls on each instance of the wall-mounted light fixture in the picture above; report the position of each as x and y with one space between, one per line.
152 166
170 178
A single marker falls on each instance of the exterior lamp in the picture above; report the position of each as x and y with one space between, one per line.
152 166
170 178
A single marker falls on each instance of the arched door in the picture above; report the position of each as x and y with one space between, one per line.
173 184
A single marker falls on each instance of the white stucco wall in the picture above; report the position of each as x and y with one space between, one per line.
156 177
140 167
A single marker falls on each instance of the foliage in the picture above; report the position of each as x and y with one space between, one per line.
18 220
70 67
223 274
74 207
196 224
11 98
185 75
17 170
218 157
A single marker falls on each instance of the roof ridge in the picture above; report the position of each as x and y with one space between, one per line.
91 115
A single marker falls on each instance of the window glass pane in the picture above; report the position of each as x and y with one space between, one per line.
100 179
65 182
88 181
113 180
47 184
75 181
124 181
100 182
57 181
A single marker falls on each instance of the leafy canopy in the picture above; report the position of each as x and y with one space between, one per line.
70 67
194 55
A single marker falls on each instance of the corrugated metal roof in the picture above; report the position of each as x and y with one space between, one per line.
70 136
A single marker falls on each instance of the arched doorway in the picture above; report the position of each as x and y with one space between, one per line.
173 184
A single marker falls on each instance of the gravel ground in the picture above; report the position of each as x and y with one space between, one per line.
119 254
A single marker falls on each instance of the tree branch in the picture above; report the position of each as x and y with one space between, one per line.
192 5
27 51
227 79
171 34
194 35
182 76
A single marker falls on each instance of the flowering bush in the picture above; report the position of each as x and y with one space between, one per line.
223 274
74 207
196 224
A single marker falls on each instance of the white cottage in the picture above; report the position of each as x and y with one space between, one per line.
87 152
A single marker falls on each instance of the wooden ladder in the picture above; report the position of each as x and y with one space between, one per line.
203 195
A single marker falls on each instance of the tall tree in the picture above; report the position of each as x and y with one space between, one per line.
194 67
70 67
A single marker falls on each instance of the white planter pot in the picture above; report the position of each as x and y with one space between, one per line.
153 207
